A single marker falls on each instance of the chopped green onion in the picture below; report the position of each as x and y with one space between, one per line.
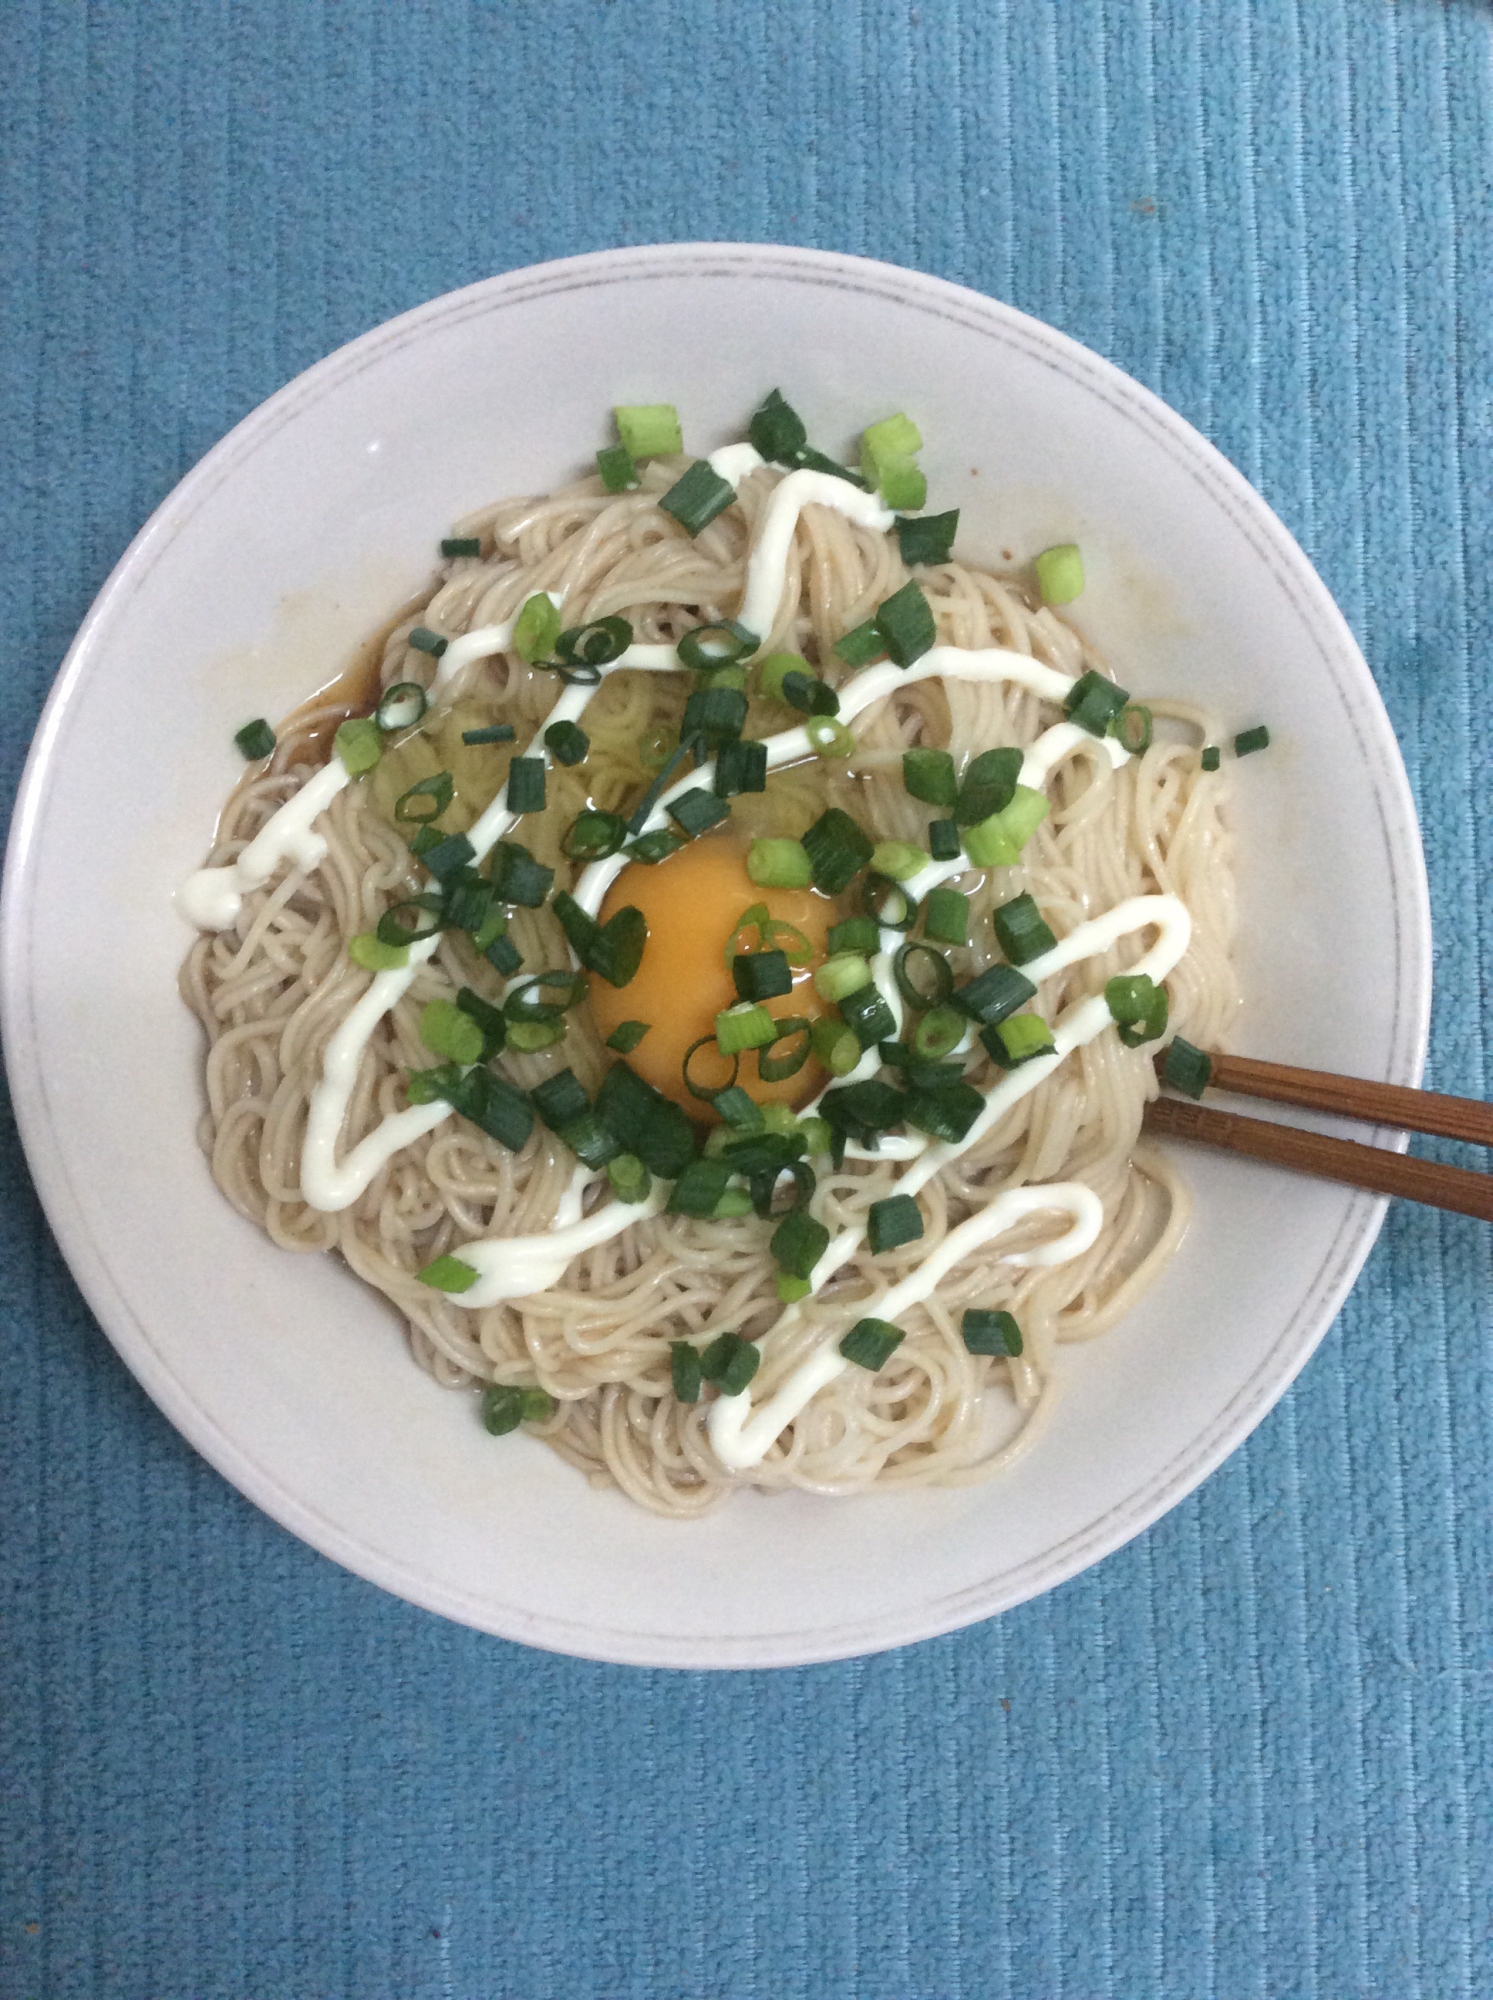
495 732
898 860
649 430
929 539
988 785
401 706
1093 703
594 645
997 842
560 1099
1134 727
871 1343
993 994
1211 757
796 1031
696 810
816 461
861 645
358 744
733 1203
590 1140
893 1222
450 856
775 669
854 934
529 1037
536 628
618 468
630 1179
461 545
1250 740
837 1047
614 949
761 975
867 1013
940 1031
903 484
516 875
814 1133
684 1371
710 1050
467 901
946 916
791 1290
844 973
448 1274
410 922
427 800
493 926
695 499
1187 1069
810 695
888 903
526 1002
489 1019
929 775
740 767
828 738
747 1026
502 1404
779 864
593 835
538 1406
1060 573
1018 1039
625 1037
718 714
526 785
699 1187
369 950
710 647
256 739
730 1362
991 1332
738 1111
566 742
1022 934
656 846
799 1242
776 431
946 1112
1139 1006
943 839
905 623
937 986
657 1130
837 850
893 437
425 641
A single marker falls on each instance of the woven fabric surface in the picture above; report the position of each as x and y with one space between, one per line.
1250 1754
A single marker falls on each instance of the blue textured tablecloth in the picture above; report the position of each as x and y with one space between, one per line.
1248 1755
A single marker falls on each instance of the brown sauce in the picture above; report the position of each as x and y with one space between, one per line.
355 691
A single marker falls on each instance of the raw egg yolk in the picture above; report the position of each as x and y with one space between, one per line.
693 903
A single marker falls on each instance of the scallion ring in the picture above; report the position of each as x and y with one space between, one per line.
711 646
427 800
410 922
764 1188
707 1093
940 1031
402 706
923 991
828 737
888 904
778 1068
525 1004
594 645
593 835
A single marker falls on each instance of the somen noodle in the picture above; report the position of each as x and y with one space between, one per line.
593 1351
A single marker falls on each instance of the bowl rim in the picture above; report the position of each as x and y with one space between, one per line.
1341 1261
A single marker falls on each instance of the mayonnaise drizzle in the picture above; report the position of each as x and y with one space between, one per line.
213 898
742 1437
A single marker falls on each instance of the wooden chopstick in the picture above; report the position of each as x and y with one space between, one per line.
1373 1167
1356 1097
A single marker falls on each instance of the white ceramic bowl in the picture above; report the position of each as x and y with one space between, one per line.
254 582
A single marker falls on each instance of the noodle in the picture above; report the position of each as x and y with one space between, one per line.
272 988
